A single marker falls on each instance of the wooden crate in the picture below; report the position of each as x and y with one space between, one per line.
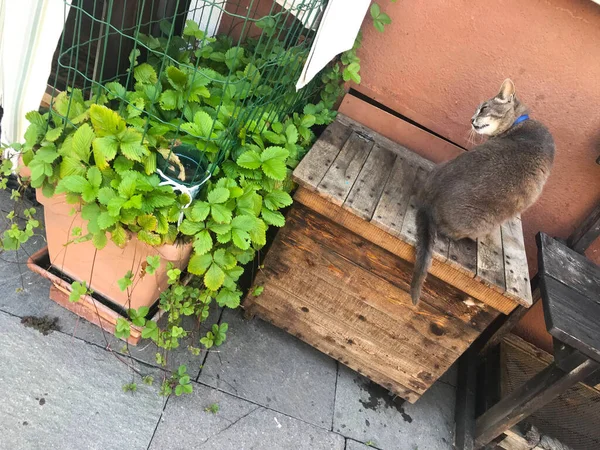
338 274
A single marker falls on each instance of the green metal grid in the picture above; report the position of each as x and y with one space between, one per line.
100 36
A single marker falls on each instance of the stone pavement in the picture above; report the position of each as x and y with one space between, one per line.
63 390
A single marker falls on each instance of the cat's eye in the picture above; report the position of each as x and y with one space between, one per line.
483 107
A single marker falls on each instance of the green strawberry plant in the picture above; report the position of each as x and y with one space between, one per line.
103 153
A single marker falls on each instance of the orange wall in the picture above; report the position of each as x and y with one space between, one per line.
440 58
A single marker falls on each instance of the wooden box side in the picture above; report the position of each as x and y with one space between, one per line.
349 298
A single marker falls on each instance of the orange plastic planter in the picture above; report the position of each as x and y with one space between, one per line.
102 268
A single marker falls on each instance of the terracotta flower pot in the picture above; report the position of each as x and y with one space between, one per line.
101 269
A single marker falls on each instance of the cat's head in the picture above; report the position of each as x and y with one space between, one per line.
497 114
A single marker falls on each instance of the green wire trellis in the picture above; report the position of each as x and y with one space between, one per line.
100 35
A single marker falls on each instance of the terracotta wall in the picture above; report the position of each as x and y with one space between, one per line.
440 58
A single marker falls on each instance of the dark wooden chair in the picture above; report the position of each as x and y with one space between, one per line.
568 285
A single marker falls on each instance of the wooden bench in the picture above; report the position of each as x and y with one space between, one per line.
337 275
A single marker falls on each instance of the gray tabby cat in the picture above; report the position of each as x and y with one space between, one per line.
471 195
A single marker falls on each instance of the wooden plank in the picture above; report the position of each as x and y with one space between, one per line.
337 285
586 233
516 270
462 255
390 211
490 262
568 267
405 251
315 164
344 170
385 142
330 340
571 317
522 402
367 189
448 304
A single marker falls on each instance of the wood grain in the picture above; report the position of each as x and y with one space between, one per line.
404 250
448 303
390 211
367 189
344 170
490 261
385 142
516 270
569 267
315 164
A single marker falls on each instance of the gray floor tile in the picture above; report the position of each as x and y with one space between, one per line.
366 412
354 445
59 392
238 425
25 293
270 367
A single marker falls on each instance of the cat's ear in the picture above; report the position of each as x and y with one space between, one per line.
507 91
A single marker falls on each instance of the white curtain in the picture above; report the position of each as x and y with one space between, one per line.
29 33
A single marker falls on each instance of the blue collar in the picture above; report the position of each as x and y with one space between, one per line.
520 119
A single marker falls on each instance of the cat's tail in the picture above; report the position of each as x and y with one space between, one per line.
426 234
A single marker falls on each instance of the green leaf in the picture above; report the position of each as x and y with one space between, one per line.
150 331
82 141
169 100
114 205
94 177
291 133
204 122
274 218
116 89
190 228
379 27
119 236
233 57
214 277
78 290
273 162
105 220
258 290
224 259
131 145
145 73
122 329
277 199
126 281
229 298
147 222
384 19
177 78
99 240
73 183
375 10
220 213
199 211
106 122
105 149
106 194
240 238
249 160
127 187
199 264
218 195
71 166
149 238
122 164
203 242
53 134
